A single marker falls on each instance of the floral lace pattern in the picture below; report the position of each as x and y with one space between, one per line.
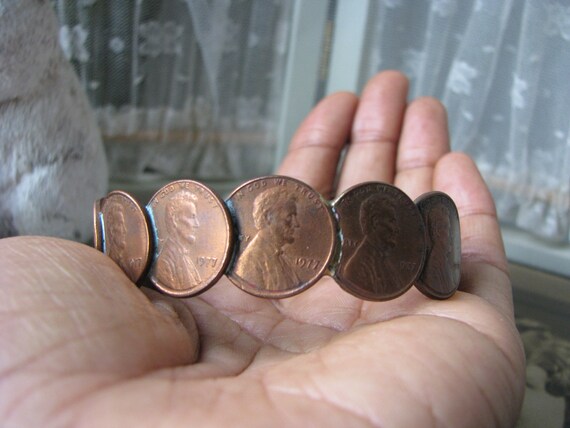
461 77
187 79
501 70
160 38
72 41
520 86
558 20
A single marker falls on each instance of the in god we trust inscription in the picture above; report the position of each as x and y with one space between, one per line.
383 241
121 232
193 238
286 236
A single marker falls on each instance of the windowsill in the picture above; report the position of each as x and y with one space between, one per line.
523 249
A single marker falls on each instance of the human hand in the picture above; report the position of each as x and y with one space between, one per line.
81 345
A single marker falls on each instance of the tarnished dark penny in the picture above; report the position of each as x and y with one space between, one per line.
286 236
125 233
193 238
442 269
383 241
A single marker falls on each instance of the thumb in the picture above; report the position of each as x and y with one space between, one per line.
66 308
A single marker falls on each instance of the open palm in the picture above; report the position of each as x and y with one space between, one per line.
81 345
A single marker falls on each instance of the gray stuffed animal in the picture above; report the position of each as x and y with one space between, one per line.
52 161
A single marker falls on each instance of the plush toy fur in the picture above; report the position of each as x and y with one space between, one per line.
52 162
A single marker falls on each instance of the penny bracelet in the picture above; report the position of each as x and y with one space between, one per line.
276 236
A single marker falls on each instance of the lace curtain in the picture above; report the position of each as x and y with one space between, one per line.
181 88
193 87
502 70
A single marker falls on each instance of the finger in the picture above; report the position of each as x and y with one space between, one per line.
424 141
484 266
315 149
375 132
457 175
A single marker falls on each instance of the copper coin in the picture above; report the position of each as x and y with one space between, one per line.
442 270
97 226
286 236
193 238
383 241
125 233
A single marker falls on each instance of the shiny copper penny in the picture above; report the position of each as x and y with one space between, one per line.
442 269
286 236
383 241
125 233
193 238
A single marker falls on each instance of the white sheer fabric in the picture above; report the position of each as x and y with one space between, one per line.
193 87
502 69
181 88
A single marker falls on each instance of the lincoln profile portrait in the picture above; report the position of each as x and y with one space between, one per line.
371 266
175 267
441 266
265 262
